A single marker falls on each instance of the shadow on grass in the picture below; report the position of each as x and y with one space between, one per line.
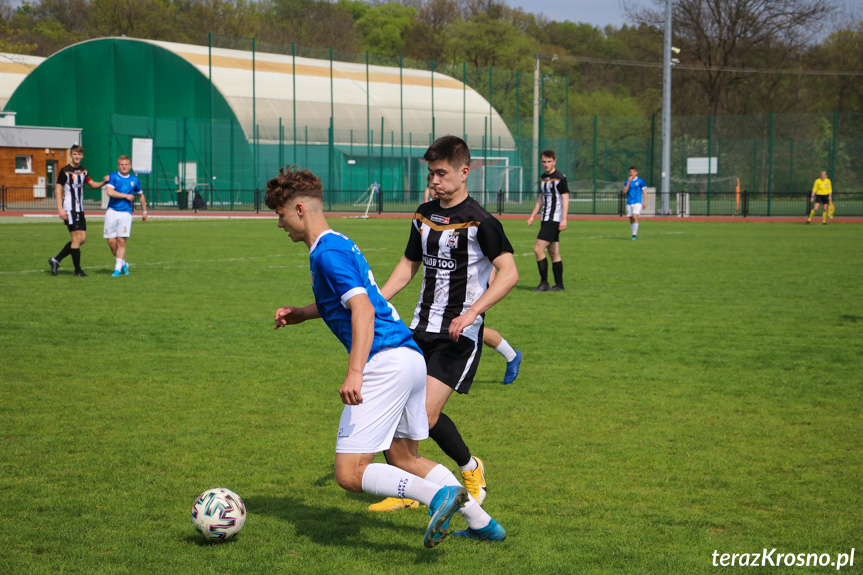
332 527
489 382
524 286
201 542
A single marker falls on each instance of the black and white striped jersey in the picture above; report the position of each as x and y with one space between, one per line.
456 247
551 186
72 180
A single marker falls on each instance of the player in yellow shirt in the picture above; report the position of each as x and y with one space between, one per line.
822 196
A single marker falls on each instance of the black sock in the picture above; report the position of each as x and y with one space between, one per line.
557 269
449 440
67 249
543 270
76 258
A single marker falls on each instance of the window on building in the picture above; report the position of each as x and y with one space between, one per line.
23 164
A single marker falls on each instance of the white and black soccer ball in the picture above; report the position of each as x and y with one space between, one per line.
219 514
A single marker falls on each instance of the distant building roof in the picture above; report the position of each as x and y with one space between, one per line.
13 69
37 137
403 98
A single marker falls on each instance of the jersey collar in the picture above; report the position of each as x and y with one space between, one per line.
318 239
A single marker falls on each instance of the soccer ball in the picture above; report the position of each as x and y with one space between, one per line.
219 514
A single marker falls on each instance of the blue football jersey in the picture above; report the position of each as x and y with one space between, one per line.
125 185
339 272
634 195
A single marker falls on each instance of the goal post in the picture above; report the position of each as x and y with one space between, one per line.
494 174
366 198
707 193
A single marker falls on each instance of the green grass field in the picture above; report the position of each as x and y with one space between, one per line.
698 390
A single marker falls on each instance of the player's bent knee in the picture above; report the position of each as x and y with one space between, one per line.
350 479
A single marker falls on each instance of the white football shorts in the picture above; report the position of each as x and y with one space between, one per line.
394 404
117 224
633 210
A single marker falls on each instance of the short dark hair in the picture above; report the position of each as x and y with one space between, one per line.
76 148
548 154
633 168
449 148
292 182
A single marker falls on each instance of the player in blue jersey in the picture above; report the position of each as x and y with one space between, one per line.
122 187
634 190
384 390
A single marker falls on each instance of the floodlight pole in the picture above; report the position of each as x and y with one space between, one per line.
665 193
534 172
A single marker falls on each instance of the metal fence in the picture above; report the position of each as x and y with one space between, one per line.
609 202
774 155
199 142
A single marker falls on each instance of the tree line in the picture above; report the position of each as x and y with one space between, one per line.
737 56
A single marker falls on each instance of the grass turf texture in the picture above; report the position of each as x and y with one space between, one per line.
696 390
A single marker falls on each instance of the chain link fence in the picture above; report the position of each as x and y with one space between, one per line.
606 201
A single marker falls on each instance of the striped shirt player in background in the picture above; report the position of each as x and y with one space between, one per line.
122 189
384 388
490 337
634 191
458 243
553 200
69 192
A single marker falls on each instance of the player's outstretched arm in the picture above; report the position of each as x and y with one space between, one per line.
402 275
96 185
290 315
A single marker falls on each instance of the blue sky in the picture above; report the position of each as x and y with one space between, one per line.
599 12
596 12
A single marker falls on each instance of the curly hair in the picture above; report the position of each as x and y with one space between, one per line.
292 182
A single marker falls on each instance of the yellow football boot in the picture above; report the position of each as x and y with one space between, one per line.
394 504
474 481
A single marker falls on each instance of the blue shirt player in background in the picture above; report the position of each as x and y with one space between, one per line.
122 187
385 386
634 190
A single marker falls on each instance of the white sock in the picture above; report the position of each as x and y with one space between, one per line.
390 481
634 228
475 515
118 264
469 466
505 350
